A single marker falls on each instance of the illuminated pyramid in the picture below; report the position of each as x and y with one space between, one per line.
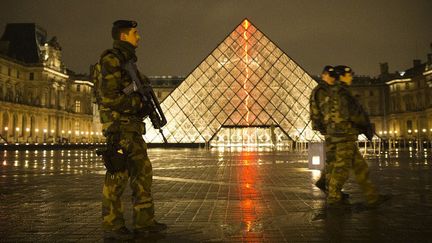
246 92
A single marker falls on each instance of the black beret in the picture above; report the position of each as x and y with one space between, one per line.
125 24
342 70
328 69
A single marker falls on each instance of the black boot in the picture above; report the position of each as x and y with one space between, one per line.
122 233
154 228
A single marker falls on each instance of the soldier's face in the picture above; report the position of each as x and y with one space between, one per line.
132 37
347 78
327 78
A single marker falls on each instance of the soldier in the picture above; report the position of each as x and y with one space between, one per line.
122 123
318 101
345 120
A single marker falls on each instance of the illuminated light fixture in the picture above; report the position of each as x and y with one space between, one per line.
424 130
409 131
45 130
83 82
7 128
416 131
69 132
62 131
316 156
37 130
52 131
55 72
17 129
380 132
27 129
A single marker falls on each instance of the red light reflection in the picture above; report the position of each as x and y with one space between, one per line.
249 203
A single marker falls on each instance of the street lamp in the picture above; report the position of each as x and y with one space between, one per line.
37 132
28 135
45 132
6 133
52 135
17 129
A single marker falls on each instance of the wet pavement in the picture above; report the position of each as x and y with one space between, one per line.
214 196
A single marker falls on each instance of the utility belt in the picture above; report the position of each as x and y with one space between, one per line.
341 128
116 122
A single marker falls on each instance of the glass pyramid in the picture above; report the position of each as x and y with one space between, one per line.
247 92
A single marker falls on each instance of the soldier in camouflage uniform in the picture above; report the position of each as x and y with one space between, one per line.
345 119
319 98
122 123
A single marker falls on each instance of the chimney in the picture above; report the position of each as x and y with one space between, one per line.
384 67
416 62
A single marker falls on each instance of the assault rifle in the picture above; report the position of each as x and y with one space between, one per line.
151 104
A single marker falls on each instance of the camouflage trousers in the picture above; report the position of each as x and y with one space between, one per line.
330 157
348 158
139 173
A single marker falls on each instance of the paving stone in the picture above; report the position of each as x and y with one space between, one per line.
213 196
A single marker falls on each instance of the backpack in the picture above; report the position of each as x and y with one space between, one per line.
97 73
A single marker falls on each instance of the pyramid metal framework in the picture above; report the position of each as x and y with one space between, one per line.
247 91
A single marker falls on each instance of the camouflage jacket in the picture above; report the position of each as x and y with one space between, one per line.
118 111
344 116
319 98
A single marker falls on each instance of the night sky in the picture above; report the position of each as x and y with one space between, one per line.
178 34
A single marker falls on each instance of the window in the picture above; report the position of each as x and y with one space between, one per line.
78 88
77 106
31 76
77 126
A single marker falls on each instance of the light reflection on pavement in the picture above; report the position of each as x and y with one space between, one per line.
212 195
